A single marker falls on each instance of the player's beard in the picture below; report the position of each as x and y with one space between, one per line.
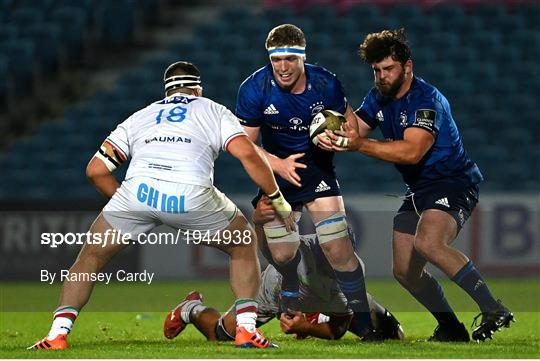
391 89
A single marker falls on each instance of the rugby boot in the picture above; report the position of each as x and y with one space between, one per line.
246 339
58 343
173 324
445 333
492 321
390 327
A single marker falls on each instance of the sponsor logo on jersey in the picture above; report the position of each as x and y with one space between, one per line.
295 121
380 116
425 119
297 125
271 110
162 201
443 202
177 99
322 187
167 139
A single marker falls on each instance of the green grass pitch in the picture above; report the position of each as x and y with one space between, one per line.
125 321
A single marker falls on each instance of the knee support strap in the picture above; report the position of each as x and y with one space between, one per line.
332 227
278 233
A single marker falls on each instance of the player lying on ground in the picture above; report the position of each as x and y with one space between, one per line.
279 102
424 143
323 310
170 182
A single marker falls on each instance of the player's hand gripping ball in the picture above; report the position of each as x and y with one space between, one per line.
325 119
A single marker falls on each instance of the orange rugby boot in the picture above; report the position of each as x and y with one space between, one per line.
58 343
251 339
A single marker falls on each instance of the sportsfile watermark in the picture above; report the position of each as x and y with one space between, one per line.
115 237
103 277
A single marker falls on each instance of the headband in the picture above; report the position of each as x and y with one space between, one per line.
183 81
288 50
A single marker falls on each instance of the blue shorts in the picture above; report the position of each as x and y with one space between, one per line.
317 182
458 201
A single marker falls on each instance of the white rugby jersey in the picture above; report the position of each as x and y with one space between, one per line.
176 139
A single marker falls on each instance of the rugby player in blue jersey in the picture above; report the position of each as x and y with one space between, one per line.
278 102
424 143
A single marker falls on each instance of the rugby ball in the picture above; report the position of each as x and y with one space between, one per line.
325 119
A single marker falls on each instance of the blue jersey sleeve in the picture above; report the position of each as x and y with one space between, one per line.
248 104
368 110
428 115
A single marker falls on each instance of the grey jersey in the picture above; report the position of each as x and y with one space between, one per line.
319 291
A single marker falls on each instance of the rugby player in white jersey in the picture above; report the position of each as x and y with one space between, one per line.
173 144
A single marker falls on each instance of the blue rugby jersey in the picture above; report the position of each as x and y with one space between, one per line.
423 106
284 117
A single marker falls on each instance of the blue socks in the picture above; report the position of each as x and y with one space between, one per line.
431 296
290 283
353 286
472 282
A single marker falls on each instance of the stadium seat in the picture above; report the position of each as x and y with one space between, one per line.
490 10
116 21
4 81
406 12
73 23
8 32
46 38
21 64
483 58
22 17
42 5
529 14
364 12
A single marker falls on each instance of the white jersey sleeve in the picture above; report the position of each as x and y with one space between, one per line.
115 148
230 127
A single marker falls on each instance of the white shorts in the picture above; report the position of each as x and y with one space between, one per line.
142 203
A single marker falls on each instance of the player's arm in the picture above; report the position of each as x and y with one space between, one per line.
286 168
263 213
101 177
299 324
257 167
414 146
103 163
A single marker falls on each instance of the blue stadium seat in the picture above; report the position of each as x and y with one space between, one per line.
21 61
530 14
73 22
116 21
277 16
236 14
407 13
489 10
9 32
364 12
5 8
23 17
322 14
46 38
42 5
4 81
